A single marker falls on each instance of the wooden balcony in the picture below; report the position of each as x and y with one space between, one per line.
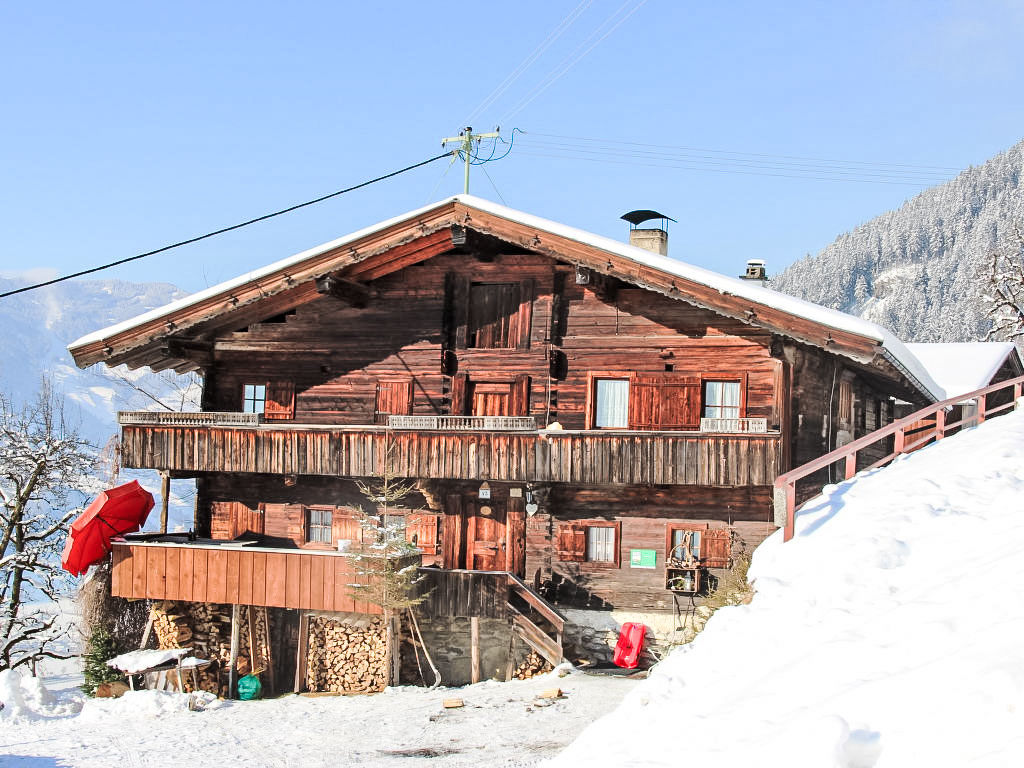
234 574
555 456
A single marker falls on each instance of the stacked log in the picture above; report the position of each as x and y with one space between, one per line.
533 665
346 655
171 625
206 628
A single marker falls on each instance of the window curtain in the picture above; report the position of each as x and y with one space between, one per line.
612 403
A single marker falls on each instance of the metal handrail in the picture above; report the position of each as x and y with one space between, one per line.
785 484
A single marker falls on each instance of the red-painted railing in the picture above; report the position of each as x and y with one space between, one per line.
909 427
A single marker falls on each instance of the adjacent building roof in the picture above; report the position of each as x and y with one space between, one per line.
809 323
965 367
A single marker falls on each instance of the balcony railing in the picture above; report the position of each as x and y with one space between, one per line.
190 419
588 457
734 425
463 423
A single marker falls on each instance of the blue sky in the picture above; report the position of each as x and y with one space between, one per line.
127 126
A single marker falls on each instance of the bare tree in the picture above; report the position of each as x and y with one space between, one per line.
1004 290
45 470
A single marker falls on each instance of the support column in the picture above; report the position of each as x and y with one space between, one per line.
165 492
474 649
233 663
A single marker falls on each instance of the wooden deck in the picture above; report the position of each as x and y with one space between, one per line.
280 578
587 457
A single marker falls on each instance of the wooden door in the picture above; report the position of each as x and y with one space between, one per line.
486 548
394 398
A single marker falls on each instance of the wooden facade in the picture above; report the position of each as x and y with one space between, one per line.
318 581
629 370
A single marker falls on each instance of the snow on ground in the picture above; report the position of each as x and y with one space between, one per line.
888 633
499 726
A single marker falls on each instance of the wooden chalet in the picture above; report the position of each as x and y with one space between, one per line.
574 412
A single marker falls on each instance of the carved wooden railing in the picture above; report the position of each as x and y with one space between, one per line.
915 427
462 423
733 425
189 419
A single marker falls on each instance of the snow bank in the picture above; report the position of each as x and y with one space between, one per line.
26 698
886 634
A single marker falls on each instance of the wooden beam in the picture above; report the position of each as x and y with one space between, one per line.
474 648
165 492
300 655
233 660
349 291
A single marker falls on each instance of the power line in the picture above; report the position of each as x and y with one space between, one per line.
743 154
225 229
526 63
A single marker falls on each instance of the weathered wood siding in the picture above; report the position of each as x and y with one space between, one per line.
643 515
246 576
336 353
561 457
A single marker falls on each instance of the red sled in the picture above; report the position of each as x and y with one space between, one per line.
631 643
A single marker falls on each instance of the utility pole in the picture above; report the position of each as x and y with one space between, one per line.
466 138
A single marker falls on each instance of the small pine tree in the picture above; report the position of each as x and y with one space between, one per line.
99 648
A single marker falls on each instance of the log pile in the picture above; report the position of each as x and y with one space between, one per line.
346 655
206 628
533 665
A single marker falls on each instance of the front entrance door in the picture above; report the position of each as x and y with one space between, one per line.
485 536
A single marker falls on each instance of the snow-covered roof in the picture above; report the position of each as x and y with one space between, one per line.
139 661
891 346
963 367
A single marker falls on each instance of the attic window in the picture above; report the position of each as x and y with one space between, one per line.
493 308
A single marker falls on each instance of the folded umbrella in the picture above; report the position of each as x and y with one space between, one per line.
120 510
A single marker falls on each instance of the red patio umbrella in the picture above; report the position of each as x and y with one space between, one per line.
120 510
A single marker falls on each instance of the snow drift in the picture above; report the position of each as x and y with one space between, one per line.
887 633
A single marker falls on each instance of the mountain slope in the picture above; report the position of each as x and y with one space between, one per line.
886 633
915 270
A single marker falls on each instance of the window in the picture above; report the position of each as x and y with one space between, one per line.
705 547
612 404
493 311
722 400
591 541
319 522
254 398
600 544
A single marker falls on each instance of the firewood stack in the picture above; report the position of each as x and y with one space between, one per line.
206 628
346 656
533 665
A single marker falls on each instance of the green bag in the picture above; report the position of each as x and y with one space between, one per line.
249 688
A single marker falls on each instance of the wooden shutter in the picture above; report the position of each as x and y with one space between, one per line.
345 526
422 527
680 403
490 398
460 383
716 548
493 312
280 403
572 542
520 396
456 310
521 327
394 398
664 401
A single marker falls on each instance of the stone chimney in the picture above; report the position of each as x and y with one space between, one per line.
756 272
654 239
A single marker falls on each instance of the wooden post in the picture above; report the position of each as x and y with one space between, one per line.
270 651
851 465
165 492
510 669
396 644
233 662
474 648
940 424
149 628
252 638
981 409
300 654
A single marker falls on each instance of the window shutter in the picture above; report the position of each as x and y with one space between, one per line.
345 526
280 403
521 396
394 398
716 548
680 402
524 316
572 543
424 528
460 383
644 403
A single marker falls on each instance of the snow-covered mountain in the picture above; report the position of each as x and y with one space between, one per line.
915 270
37 326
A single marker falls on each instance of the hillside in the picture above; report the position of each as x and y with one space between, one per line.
885 634
914 270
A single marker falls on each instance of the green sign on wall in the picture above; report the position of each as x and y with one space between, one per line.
643 558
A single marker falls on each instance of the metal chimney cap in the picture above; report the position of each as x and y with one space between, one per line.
637 218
